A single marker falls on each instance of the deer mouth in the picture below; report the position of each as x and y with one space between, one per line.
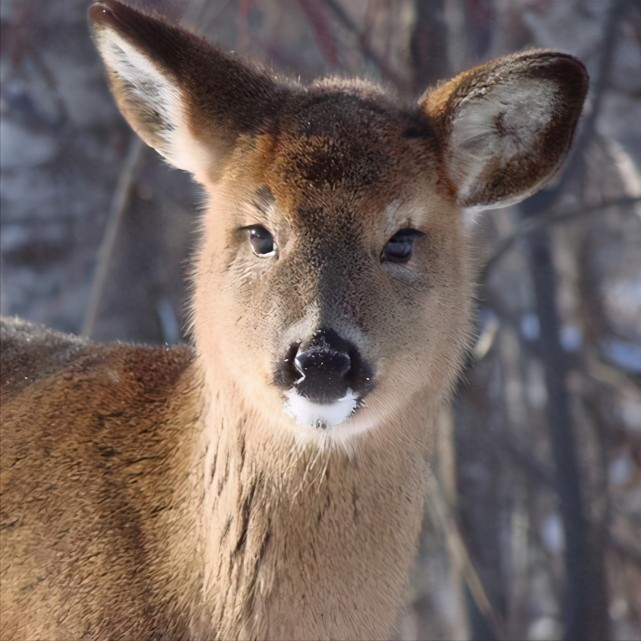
320 416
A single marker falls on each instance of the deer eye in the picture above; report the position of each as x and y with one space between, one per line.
262 241
400 246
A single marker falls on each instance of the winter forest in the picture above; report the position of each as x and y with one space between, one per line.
533 526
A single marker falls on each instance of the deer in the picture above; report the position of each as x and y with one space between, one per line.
267 480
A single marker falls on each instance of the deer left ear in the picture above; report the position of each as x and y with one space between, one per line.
506 126
184 97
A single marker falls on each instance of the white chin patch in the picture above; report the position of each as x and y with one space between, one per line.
319 415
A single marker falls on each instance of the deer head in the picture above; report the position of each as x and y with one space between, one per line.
333 284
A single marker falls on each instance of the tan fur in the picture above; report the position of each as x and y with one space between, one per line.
153 493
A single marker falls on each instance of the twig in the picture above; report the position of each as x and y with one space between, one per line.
626 549
548 219
459 552
119 203
608 374
540 475
368 52
314 11
523 458
428 44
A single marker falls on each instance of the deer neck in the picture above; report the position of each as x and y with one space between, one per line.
291 529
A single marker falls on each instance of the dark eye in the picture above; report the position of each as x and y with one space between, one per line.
400 246
261 240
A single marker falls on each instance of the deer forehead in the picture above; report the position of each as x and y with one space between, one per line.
338 159
332 146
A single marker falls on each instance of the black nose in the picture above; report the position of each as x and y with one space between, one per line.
324 368
323 373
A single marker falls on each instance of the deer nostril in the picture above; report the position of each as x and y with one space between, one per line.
323 361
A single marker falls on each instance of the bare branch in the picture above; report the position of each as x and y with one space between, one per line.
548 219
316 17
119 204
369 53
459 551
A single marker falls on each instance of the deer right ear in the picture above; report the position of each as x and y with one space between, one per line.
506 126
184 97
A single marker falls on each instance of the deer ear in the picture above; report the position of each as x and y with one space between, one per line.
506 126
184 97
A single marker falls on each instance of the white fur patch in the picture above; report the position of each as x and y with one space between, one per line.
319 415
390 214
158 93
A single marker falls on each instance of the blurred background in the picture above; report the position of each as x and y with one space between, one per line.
533 526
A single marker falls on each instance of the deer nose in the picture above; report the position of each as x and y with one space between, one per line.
324 369
324 373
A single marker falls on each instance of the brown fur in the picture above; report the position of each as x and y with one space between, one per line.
153 493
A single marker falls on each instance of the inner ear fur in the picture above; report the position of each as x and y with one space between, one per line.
506 126
183 96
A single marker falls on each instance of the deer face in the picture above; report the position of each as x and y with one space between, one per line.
333 269
332 285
